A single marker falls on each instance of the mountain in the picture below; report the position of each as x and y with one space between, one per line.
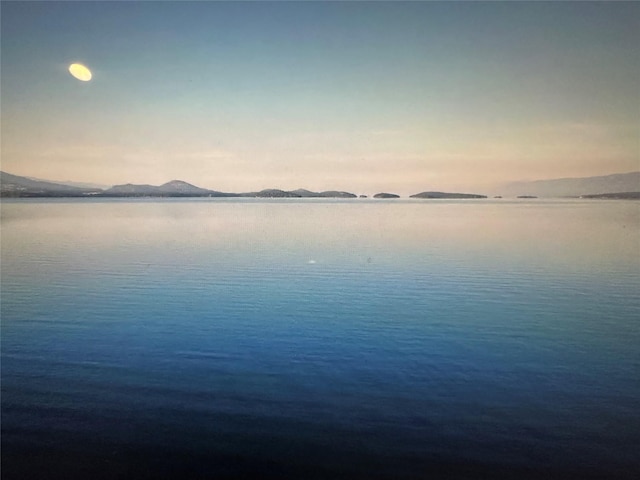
446 195
575 187
16 186
182 188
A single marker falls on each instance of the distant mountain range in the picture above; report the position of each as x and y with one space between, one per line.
575 187
84 185
178 188
623 185
16 186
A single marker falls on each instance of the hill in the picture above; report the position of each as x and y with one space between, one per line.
174 188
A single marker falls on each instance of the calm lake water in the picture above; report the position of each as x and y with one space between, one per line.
227 338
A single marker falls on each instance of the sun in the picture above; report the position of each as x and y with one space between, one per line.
80 72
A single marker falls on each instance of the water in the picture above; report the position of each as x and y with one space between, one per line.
236 338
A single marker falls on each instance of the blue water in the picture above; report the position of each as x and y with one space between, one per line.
237 338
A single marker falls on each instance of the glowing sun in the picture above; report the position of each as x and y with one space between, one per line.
80 72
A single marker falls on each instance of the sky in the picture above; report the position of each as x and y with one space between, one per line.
400 97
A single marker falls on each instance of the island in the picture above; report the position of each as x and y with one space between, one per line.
336 194
300 193
446 195
386 195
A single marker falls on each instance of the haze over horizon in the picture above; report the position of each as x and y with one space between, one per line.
362 97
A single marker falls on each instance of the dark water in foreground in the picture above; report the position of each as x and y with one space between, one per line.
320 339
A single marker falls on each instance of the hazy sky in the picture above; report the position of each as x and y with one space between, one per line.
364 97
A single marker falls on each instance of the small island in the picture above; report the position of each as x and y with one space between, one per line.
386 195
446 195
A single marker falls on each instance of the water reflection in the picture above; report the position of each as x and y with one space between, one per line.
582 235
